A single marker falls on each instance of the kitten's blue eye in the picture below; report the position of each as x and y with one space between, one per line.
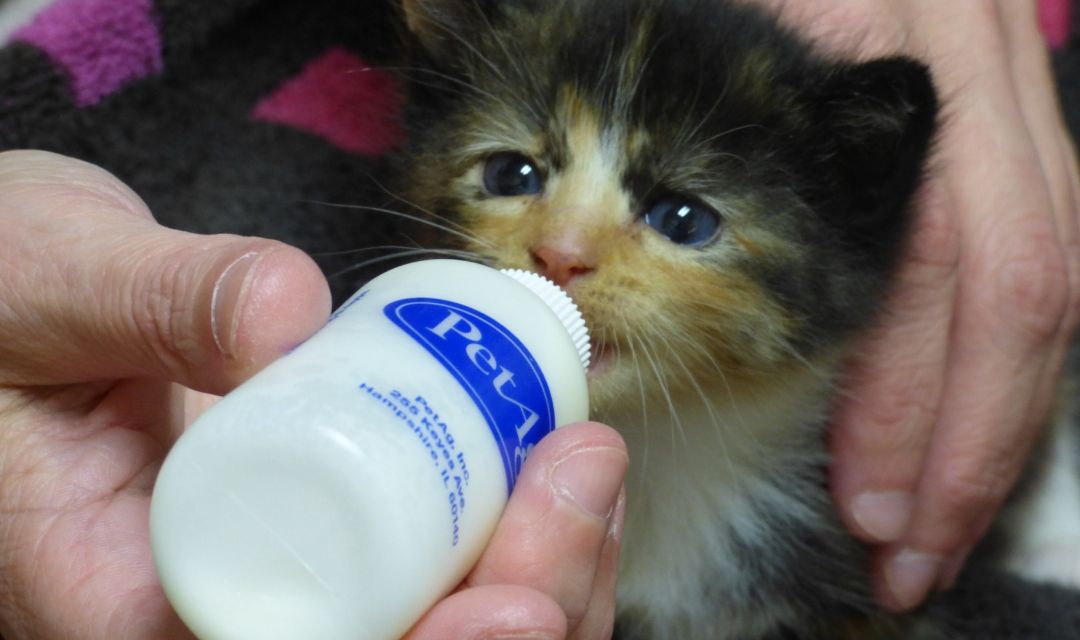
512 174
683 222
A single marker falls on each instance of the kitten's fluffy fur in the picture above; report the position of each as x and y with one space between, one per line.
717 360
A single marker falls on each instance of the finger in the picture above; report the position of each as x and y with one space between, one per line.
883 423
194 404
94 289
1039 102
847 28
1010 303
555 526
1036 92
1035 89
490 612
599 620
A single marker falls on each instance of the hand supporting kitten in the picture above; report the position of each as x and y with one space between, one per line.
948 394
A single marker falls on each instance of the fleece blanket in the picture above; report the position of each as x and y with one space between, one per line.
258 116
241 116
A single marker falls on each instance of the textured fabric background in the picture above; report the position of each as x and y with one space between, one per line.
224 115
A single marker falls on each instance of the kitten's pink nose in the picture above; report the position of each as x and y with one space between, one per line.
560 266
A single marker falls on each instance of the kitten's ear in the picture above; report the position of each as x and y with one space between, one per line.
880 117
439 24
431 21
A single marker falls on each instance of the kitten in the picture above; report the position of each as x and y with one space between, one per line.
727 208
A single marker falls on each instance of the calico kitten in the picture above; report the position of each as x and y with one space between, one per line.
727 207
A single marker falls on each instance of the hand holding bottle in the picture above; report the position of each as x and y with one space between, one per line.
103 316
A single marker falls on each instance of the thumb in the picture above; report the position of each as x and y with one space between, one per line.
95 290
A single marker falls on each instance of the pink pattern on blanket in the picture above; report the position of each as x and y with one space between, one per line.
102 44
1055 18
342 99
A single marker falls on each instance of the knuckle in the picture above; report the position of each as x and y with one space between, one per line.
936 237
899 412
1072 310
968 490
891 407
988 10
1032 289
163 311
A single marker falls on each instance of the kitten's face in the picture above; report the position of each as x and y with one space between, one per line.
659 269
722 206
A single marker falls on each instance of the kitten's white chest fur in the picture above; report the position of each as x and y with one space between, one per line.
1045 525
702 479
705 479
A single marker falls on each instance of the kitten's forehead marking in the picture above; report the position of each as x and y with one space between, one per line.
590 179
632 65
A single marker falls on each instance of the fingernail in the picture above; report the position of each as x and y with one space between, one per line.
591 479
952 569
884 515
226 299
909 576
618 517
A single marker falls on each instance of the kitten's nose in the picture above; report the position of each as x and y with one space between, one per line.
560 266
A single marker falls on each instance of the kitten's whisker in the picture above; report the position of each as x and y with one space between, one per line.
414 205
462 87
347 252
644 403
661 380
458 81
428 212
464 253
814 369
431 84
676 422
405 253
752 436
719 426
418 219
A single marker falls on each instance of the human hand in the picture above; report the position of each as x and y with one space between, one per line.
100 309
946 398
549 571
101 312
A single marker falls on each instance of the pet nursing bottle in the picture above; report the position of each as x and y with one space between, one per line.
348 486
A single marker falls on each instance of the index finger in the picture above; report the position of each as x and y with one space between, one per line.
557 522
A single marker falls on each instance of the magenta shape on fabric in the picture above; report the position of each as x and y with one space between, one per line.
102 44
340 98
1055 18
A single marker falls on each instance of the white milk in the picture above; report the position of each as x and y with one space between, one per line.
351 484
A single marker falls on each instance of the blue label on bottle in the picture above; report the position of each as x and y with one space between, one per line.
491 364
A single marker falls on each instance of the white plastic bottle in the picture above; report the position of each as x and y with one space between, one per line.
347 487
